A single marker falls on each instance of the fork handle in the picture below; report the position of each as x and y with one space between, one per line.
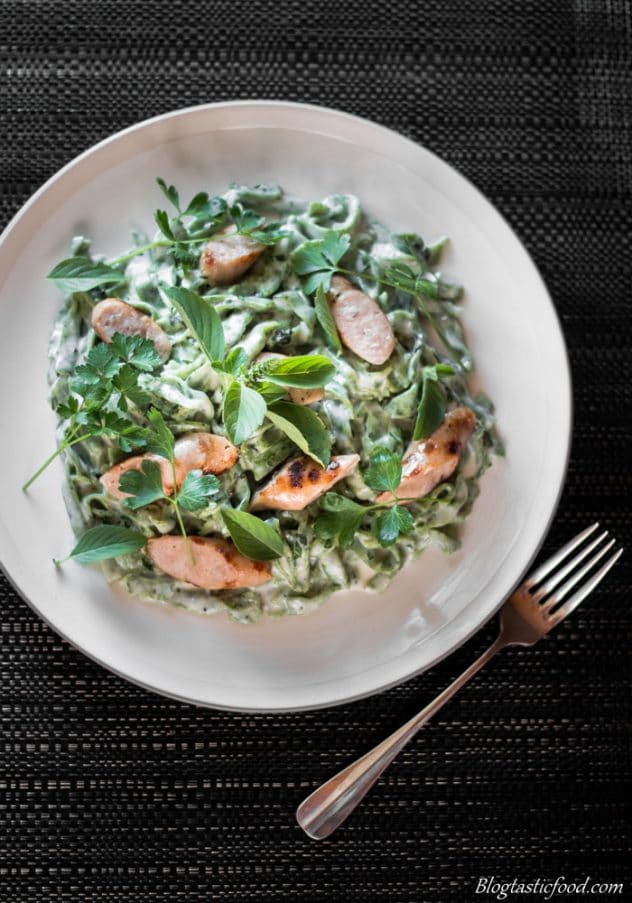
329 805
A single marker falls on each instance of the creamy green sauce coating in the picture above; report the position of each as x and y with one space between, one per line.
363 406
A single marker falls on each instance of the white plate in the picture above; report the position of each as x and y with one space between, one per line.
356 643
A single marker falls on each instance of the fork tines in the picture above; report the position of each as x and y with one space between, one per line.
551 594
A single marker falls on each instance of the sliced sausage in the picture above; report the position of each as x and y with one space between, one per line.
216 562
225 259
112 315
361 323
193 451
430 461
297 396
300 481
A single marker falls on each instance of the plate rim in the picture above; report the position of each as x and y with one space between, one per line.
564 366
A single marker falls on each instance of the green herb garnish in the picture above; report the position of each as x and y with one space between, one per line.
103 542
103 389
254 538
342 517
144 486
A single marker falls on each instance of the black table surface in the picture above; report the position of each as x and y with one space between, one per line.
108 792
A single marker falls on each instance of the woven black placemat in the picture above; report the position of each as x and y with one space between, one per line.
110 793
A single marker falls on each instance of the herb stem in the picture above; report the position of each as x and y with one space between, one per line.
174 502
67 443
419 295
160 243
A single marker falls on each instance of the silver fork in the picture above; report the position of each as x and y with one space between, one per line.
532 610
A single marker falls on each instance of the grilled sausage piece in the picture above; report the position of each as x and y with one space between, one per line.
361 323
302 480
297 396
216 562
193 451
430 461
227 257
112 315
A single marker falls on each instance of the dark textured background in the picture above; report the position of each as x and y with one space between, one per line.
110 793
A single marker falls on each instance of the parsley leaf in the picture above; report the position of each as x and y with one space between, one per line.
197 489
162 221
170 193
159 438
126 384
391 523
100 366
135 350
340 519
144 486
201 207
254 226
318 259
384 472
245 220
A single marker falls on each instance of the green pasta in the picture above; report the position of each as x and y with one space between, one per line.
278 307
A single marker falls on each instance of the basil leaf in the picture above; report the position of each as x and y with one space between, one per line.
384 472
201 319
144 486
244 411
77 274
326 319
304 371
159 437
389 524
270 392
196 489
431 409
254 538
303 427
103 542
235 360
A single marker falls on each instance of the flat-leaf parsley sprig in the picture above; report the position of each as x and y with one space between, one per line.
101 393
318 260
342 517
192 225
145 486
